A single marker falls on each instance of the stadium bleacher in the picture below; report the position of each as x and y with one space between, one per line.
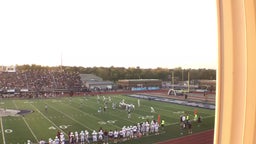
39 81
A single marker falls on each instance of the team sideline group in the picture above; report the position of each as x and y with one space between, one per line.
104 136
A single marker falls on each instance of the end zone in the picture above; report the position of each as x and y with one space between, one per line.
13 112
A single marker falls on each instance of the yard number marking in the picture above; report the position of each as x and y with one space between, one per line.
8 131
64 126
52 128
109 122
146 117
102 123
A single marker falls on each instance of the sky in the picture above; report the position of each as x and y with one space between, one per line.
119 33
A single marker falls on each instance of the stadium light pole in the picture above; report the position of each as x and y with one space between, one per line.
188 80
172 79
61 62
182 77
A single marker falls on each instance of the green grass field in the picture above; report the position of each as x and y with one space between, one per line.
80 113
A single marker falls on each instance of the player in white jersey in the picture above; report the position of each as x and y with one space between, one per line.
104 99
138 102
111 135
99 110
182 124
147 127
94 136
86 136
135 130
71 137
109 99
116 136
50 141
76 137
131 132
152 126
62 138
82 136
127 132
138 127
46 107
156 128
42 142
143 128
113 105
129 113
56 140
152 110
100 133
105 107
98 99
122 134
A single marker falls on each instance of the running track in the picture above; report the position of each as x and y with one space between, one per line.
205 137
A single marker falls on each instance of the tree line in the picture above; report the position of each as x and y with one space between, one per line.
115 73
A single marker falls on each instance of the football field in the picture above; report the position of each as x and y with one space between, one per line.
70 114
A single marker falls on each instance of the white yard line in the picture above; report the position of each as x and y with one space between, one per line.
27 124
30 129
49 120
2 129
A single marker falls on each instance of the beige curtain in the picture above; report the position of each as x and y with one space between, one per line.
235 121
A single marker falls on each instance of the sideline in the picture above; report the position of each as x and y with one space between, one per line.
175 101
2 129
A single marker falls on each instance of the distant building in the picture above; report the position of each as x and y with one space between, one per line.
95 83
210 85
8 68
206 82
99 85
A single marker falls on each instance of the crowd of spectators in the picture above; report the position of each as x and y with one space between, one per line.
39 81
